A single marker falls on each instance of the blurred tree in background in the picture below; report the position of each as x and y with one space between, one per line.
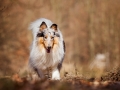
89 27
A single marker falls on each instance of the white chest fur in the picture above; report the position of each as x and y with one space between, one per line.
39 58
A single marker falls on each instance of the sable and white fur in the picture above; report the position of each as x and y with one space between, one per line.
40 60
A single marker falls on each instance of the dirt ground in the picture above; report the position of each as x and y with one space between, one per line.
15 82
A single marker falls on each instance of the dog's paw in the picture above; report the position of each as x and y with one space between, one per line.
55 75
56 78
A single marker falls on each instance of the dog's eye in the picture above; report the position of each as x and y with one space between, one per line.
40 35
45 37
52 37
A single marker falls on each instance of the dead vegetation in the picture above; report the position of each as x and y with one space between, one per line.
113 75
110 81
68 83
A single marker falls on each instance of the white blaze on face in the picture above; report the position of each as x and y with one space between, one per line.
48 40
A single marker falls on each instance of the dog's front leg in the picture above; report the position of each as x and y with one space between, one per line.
40 74
55 74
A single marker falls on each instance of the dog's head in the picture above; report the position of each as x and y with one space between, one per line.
48 37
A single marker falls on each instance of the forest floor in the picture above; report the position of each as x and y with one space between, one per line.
16 82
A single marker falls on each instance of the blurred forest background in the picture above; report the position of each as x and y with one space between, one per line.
89 27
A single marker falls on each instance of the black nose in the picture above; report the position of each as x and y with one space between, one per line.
49 47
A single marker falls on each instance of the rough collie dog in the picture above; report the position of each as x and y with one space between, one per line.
47 49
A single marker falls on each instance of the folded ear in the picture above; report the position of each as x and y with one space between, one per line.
43 26
54 26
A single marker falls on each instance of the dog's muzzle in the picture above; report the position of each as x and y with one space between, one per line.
48 49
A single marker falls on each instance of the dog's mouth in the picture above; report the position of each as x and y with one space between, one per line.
48 49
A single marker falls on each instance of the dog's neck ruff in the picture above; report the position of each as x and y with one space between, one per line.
43 60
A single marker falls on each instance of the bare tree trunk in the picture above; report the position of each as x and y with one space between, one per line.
91 28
